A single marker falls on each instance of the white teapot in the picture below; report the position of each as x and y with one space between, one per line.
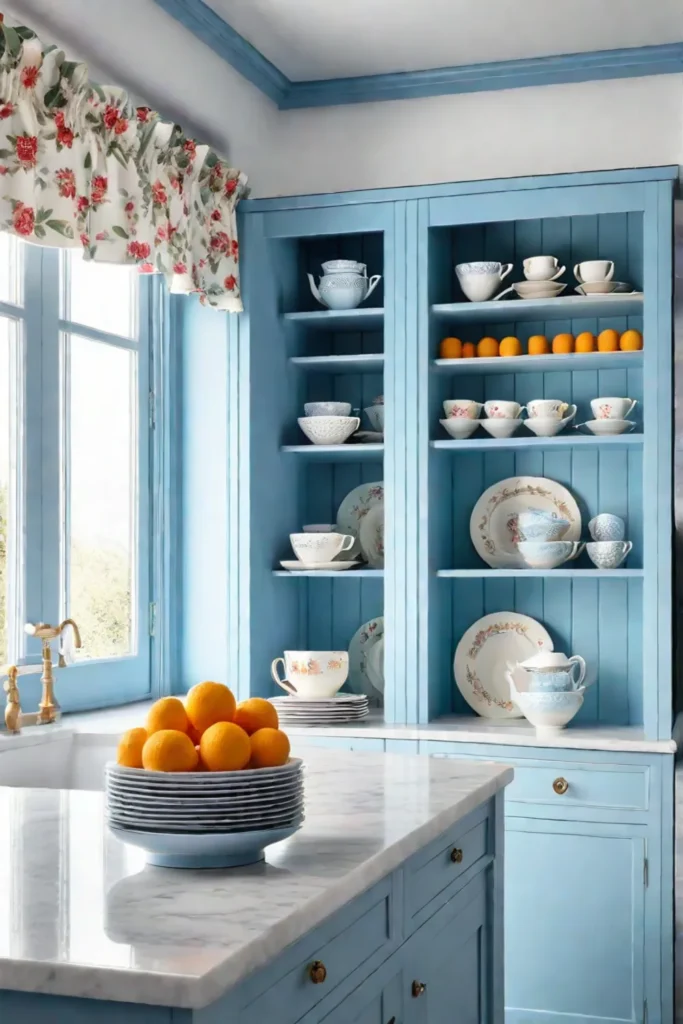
549 672
341 288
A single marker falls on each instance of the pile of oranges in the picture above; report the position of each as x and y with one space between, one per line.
208 732
538 344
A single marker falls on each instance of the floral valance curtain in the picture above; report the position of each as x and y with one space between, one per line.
80 166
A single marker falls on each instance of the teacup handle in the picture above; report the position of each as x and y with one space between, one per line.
578 548
511 684
372 284
610 275
634 403
629 548
559 273
576 659
569 413
284 683
577 274
346 547
505 270
505 291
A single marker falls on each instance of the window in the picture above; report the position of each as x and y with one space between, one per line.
75 440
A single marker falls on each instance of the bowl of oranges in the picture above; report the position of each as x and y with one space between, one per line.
206 782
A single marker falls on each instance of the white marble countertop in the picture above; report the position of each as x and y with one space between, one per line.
516 732
82 915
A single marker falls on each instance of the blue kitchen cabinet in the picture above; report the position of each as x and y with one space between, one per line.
376 1001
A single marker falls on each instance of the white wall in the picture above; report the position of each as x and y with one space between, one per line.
134 44
548 130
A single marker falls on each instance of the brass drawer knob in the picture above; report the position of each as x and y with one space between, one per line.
456 855
417 988
560 786
317 972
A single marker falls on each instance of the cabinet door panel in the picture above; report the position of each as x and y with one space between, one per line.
378 1000
574 922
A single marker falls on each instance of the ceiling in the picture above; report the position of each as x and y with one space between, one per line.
320 39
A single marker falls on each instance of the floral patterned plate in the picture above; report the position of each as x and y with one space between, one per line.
371 537
355 507
493 523
482 655
360 680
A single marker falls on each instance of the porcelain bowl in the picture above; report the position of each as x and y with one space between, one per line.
538 289
461 428
344 267
539 526
608 427
328 429
597 288
548 554
327 408
499 427
543 426
606 526
550 712
375 414
608 554
342 291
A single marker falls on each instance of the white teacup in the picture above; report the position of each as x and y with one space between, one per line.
542 268
549 408
481 280
594 270
463 408
612 408
312 675
313 548
503 410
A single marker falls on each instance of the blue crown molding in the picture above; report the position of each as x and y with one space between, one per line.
633 62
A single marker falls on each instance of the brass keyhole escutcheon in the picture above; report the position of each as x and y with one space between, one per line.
560 786
417 988
456 855
317 972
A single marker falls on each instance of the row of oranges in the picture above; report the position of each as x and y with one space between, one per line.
538 344
209 732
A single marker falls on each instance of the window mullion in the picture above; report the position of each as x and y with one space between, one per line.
52 456
31 607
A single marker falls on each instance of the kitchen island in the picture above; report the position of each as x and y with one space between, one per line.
386 904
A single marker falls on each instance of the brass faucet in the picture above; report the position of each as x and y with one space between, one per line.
48 708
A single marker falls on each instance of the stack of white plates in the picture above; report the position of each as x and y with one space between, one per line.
345 707
204 819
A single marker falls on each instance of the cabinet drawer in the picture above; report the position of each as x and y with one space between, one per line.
435 870
565 785
336 956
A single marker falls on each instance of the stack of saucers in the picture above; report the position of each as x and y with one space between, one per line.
204 819
345 707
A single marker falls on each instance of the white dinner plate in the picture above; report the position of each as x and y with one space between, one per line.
482 656
171 825
340 699
201 796
252 776
355 507
493 523
209 818
371 537
362 642
294 566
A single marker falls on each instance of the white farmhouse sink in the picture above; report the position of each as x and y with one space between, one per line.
54 757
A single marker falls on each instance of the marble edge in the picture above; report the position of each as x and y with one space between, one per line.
188 992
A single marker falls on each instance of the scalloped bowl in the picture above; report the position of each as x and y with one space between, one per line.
328 429
550 712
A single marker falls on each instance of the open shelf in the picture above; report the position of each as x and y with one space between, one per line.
339 319
475 444
332 575
578 574
539 364
518 310
361 363
336 452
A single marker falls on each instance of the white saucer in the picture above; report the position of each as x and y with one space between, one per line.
293 566
607 428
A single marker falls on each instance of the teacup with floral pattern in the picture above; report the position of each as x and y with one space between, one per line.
462 408
312 675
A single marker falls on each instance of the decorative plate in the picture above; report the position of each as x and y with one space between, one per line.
493 523
482 655
355 507
375 665
362 643
371 537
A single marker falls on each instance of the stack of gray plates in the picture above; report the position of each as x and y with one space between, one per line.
345 707
204 819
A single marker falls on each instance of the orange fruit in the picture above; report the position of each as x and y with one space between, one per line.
269 748
450 348
256 713
225 747
608 341
538 345
511 346
167 713
169 751
487 347
468 350
208 703
585 342
631 341
563 343
129 751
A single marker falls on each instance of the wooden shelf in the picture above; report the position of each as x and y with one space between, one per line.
336 452
539 364
517 310
478 444
370 319
580 574
363 574
362 363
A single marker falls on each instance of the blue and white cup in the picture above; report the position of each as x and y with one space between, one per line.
607 527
